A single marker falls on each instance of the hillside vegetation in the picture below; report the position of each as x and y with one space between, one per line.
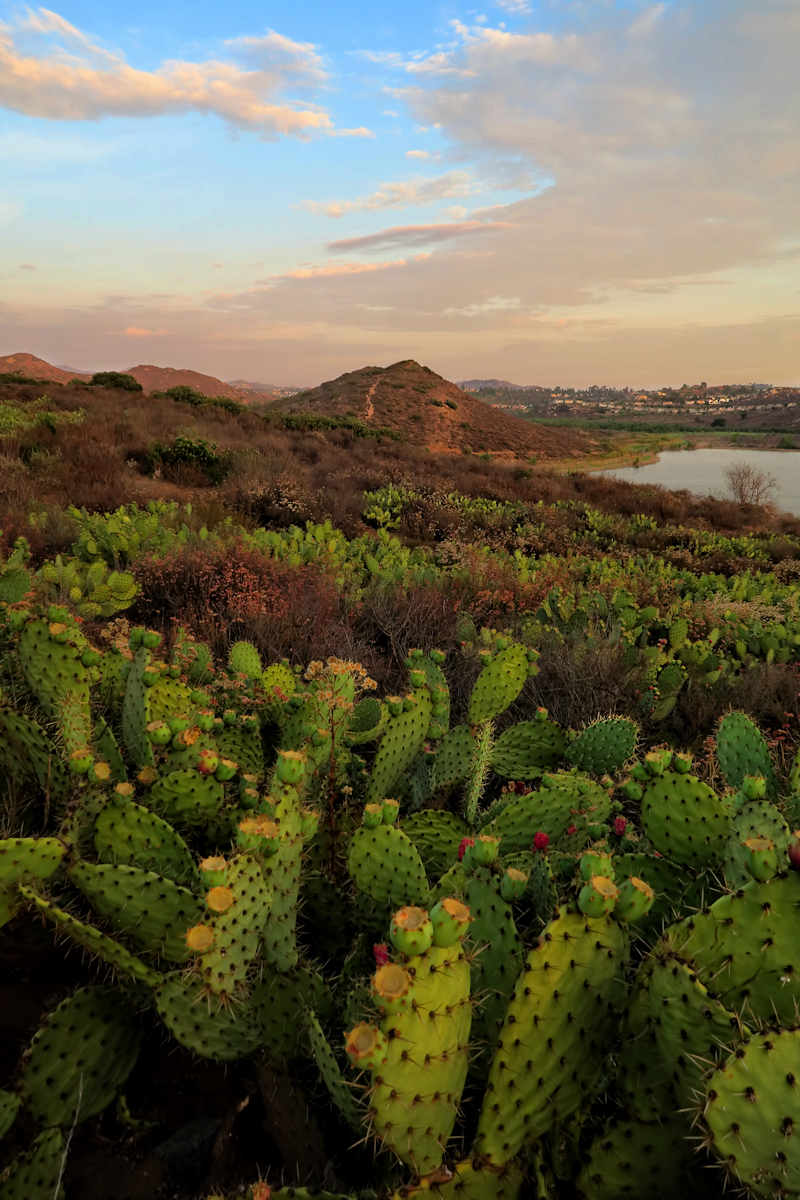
379 823
431 412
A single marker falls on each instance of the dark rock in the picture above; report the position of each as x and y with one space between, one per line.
185 1157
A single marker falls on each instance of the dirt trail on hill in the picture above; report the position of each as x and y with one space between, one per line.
370 405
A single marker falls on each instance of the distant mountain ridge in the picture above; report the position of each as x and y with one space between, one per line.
152 378
474 385
430 411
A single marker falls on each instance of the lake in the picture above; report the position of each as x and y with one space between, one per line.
703 472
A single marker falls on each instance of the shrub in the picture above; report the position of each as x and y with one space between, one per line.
116 379
192 453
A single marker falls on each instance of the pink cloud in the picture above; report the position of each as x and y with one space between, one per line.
135 331
418 235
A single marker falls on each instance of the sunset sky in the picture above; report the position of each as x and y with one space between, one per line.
551 193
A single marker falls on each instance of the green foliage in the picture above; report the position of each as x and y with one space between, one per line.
116 379
17 416
425 930
195 452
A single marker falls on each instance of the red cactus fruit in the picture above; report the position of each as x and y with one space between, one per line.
462 849
381 952
541 840
794 850
572 829
620 825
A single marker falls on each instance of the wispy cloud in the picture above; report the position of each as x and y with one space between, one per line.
337 268
400 194
62 74
134 331
417 235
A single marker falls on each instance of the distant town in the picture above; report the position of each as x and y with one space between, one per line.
691 401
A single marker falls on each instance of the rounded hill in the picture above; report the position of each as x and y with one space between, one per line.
430 411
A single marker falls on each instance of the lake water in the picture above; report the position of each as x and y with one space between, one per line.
703 472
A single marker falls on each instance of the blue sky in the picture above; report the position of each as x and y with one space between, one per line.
563 193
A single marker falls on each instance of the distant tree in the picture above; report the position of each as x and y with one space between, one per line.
116 379
719 423
743 415
748 485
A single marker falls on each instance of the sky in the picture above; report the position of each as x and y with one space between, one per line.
597 191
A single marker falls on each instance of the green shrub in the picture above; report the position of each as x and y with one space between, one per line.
196 453
116 379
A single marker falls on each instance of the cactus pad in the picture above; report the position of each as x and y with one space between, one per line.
528 748
685 820
752 1114
386 864
35 1174
201 1024
605 746
742 750
151 910
83 1053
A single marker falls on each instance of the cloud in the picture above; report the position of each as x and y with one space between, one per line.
337 268
65 76
416 235
417 154
135 332
665 164
27 267
492 304
401 194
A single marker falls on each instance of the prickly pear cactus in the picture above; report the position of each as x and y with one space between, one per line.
685 820
556 1033
83 1053
604 747
742 750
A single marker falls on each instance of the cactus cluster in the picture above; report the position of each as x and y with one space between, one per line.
514 957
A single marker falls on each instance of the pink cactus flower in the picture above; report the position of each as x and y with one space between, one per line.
541 841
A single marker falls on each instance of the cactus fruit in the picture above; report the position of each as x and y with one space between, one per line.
685 820
554 1039
635 899
750 1109
604 746
598 896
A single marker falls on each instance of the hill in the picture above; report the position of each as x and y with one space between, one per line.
159 379
431 412
152 379
474 385
37 368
